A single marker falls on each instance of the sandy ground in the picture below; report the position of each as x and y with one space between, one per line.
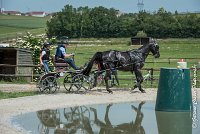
21 105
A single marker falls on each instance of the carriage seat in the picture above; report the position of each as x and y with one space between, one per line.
60 63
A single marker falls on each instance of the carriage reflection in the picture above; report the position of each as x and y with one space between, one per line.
86 119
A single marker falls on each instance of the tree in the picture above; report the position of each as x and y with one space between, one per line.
63 23
103 22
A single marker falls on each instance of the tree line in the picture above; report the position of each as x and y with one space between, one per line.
101 22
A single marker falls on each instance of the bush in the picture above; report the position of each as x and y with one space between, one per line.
34 44
141 34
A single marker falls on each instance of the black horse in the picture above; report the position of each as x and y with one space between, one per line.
132 60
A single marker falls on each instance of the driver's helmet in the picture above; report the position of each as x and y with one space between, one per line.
63 40
46 44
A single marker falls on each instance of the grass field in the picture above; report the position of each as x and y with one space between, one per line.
13 26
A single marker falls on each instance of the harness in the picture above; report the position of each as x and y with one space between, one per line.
112 64
117 64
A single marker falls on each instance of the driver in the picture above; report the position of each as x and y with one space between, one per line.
61 53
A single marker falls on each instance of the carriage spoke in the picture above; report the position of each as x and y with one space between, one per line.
50 84
67 82
80 82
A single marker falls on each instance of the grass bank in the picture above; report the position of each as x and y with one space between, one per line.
5 95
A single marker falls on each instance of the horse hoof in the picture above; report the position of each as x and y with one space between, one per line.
134 87
143 91
109 91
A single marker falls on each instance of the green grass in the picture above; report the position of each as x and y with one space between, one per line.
9 30
5 95
12 26
23 21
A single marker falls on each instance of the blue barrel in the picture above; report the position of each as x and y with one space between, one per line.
174 90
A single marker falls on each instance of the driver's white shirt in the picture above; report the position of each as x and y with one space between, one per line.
43 53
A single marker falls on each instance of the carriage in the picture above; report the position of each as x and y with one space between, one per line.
109 62
74 80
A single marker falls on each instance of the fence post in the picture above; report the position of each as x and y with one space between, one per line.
151 76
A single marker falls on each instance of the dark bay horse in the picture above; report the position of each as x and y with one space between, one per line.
132 60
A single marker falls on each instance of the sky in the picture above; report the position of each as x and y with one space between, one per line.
126 6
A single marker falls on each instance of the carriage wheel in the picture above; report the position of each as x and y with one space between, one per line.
46 90
50 84
91 80
80 83
67 82
78 112
40 85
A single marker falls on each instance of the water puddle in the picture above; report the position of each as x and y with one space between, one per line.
120 118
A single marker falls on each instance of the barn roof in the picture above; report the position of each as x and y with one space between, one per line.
14 48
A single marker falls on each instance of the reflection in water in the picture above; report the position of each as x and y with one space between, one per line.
131 127
128 118
49 119
78 121
174 122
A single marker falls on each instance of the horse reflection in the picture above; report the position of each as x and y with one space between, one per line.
107 127
136 126
129 128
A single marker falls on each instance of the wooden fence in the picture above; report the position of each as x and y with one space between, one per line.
154 72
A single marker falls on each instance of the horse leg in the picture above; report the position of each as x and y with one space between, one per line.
95 79
116 77
96 119
139 79
107 120
106 78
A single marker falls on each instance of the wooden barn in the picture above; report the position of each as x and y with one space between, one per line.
15 62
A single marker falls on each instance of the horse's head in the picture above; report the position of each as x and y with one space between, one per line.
154 48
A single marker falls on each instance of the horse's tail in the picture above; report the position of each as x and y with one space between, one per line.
97 57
